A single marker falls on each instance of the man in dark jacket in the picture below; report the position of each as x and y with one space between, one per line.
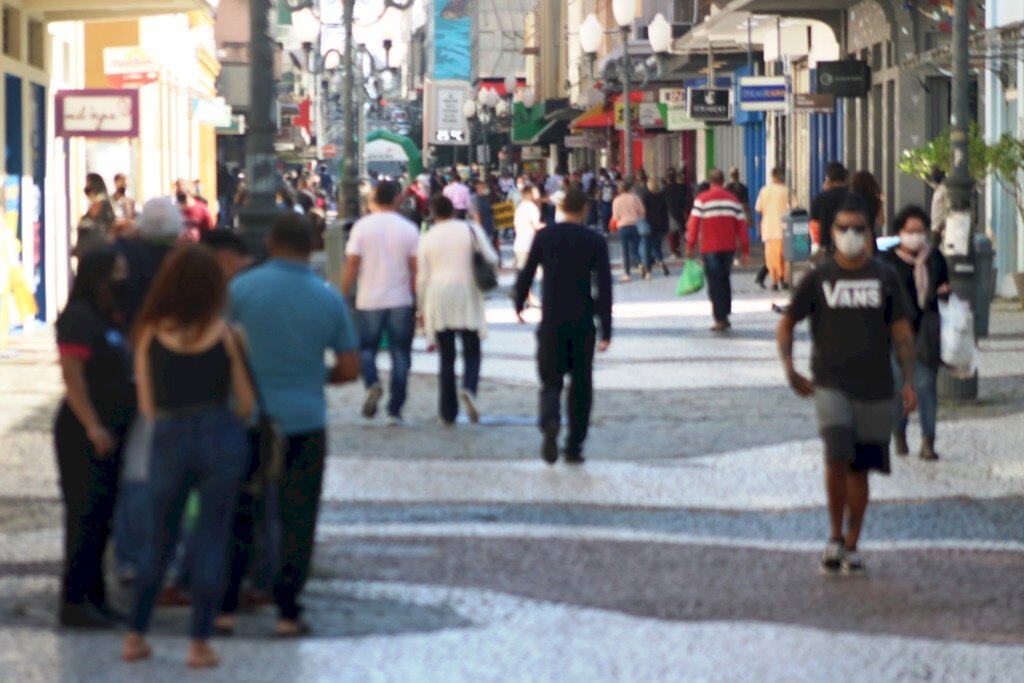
571 256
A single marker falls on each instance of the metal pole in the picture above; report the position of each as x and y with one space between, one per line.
348 205
627 105
750 46
261 160
959 187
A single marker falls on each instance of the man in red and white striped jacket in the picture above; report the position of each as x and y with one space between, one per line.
718 221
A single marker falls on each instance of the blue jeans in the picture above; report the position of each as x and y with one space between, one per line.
629 236
650 249
400 324
604 215
927 398
208 451
717 270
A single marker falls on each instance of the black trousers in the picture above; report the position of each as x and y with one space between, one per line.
717 270
89 488
561 351
301 487
448 400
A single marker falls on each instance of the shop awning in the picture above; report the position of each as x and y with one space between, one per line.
533 126
595 117
100 10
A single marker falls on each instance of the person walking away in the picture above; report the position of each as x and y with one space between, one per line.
452 305
940 207
772 204
858 310
679 195
458 193
195 213
864 184
605 196
742 194
825 205
96 226
293 318
656 211
124 206
572 257
189 364
925 274
381 257
481 211
90 431
717 222
627 210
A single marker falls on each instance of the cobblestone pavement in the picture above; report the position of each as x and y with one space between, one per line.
685 550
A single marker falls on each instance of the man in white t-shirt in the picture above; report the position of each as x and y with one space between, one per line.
527 221
381 266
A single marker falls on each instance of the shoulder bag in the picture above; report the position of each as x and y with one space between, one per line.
268 442
483 272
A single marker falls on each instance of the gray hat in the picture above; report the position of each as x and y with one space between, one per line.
160 219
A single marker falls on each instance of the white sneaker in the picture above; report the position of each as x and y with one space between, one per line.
395 421
853 564
469 400
832 559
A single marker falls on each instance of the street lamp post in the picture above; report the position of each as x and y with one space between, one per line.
261 160
621 75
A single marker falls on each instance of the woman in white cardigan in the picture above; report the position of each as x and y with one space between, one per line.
451 304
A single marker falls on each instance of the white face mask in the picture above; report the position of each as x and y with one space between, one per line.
850 244
912 241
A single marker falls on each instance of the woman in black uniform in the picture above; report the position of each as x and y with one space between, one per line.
90 430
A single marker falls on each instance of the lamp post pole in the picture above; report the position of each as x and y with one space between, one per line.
348 202
261 160
627 106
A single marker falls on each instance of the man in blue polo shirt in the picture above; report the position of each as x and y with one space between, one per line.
291 318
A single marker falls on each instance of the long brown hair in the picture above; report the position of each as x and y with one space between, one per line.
189 291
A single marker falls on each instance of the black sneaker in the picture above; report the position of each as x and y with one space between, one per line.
550 449
373 396
832 559
85 616
574 458
900 444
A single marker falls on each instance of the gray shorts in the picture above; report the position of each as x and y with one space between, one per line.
854 432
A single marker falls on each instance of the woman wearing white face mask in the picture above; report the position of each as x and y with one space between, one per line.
925 274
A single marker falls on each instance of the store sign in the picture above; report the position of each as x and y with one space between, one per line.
532 152
97 113
216 112
673 97
710 104
762 93
575 142
846 78
814 103
642 114
129 67
449 121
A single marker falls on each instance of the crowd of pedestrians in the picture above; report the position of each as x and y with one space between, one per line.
194 426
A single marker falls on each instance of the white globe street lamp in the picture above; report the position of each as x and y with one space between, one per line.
510 84
659 33
624 11
469 109
591 34
529 98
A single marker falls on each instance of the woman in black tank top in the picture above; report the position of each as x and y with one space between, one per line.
192 381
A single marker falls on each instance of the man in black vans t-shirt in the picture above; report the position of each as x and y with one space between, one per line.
859 312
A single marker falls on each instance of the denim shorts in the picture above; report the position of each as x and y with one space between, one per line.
855 432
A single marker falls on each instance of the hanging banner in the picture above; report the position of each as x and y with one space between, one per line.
762 93
452 40
97 113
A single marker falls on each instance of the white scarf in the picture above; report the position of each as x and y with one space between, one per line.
920 263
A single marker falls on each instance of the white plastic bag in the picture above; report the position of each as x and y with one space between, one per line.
957 337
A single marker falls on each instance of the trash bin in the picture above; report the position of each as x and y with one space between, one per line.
796 235
984 291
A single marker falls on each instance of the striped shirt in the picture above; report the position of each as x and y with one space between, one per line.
718 220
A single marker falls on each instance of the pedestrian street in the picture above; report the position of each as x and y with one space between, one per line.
685 549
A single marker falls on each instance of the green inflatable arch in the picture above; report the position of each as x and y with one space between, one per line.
412 152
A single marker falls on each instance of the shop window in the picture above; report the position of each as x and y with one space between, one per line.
36 44
12 33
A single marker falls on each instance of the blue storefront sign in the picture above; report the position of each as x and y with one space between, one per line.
762 93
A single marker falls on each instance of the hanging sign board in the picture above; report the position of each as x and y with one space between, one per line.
845 78
814 103
709 104
762 93
129 66
97 113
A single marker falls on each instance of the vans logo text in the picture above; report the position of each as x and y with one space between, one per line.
853 294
